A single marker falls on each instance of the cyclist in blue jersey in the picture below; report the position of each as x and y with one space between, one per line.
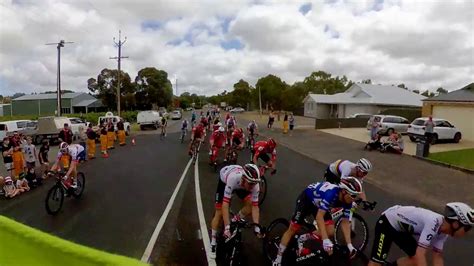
318 199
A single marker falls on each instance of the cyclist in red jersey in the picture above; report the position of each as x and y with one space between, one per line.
236 140
217 141
204 121
261 150
198 134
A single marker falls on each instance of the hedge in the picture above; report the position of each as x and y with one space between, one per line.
409 113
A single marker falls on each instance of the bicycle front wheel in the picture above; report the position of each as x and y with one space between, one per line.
54 200
81 184
271 243
359 232
263 190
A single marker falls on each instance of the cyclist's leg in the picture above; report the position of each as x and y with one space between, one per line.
247 206
216 220
383 238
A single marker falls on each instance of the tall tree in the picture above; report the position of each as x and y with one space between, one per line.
366 81
271 88
153 88
321 82
440 90
105 86
428 93
241 95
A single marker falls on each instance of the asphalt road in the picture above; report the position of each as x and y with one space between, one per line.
127 194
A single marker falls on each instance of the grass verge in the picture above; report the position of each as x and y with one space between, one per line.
461 158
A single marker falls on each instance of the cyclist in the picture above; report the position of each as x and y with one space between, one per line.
244 182
164 124
230 126
252 129
193 118
216 142
236 141
198 134
318 199
204 121
344 168
261 150
415 230
75 151
184 127
216 125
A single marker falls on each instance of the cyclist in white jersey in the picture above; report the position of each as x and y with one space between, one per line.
75 151
415 230
244 182
344 168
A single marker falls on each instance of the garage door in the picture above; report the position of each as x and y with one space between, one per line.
461 117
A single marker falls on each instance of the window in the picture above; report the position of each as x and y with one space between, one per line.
404 121
21 124
389 120
65 110
419 122
442 124
3 127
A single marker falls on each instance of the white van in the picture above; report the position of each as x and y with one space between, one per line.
148 118
8 127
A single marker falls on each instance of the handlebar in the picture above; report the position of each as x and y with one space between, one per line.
366 205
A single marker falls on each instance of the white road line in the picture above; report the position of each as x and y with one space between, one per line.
161 222
202 221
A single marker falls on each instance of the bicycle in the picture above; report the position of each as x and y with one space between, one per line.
263 183
312 252
232 155
214 153
163 133
196 145
55 196
183 134
229 251
251 140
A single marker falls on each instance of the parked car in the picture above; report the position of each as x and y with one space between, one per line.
443 130
75 124
31 129
49 128
389 123
115 119
237 110
361 115
148 119
176 115
8 127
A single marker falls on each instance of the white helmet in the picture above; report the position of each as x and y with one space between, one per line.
221 129
460 212
364 165
352 185
219 124
63 147
251 173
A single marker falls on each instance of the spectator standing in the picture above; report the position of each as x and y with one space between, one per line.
110 134
103 141
271 119
30 155
43 157
7 153
291 121
121 132
82 142
91 137
374 126
429 129
285 124
65 135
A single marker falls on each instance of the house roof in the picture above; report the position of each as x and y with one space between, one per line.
88 103
466 94
46 96
372 94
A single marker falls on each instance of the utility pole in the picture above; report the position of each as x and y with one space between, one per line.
260 99
119 57
58 75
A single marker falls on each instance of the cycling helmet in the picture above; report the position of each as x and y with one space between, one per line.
219 124
364 165
63 147
271 143
8 179
460 212
251 173
221 129
351 185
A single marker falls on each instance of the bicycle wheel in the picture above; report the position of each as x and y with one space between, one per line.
359 232
54 199
271 243
263 190
81 184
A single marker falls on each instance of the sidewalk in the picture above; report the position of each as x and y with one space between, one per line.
400 175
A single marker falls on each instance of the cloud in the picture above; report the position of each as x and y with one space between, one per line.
209 45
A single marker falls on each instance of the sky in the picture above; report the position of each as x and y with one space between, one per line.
209 45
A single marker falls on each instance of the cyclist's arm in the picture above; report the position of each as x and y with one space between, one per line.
321 225
225 212
420 256
56 163
72 168
273 160
438 259
255 157
346 230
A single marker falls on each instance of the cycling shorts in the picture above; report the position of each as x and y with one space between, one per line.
236 141
241 193
304 208
264 157
331 177
385 234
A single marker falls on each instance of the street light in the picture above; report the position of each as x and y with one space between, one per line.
58 77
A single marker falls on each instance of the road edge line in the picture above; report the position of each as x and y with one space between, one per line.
202 220
151 244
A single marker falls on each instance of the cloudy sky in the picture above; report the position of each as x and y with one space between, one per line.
209 45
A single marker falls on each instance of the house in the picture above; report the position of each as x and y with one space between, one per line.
457 107
46 104
360 98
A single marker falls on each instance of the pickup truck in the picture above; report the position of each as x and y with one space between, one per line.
115 119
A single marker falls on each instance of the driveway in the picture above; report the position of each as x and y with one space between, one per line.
362 135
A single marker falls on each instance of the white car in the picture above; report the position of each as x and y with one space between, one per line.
361 115
237 110
176 115
442 130
75 124
148 118
389 123
115 119
8 127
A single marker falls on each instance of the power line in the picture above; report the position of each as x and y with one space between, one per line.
119 57
58 77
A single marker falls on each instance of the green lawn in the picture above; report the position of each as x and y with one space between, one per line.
462 158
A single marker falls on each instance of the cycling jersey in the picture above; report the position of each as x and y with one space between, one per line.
204 121
261 147
74 150
252 127
420 222
237 134
218 138
337 170
184 125
231 176
230 123
198 132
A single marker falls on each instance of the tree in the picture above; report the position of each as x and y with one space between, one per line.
428 93
105 87
321 82
402 86
153 88
17 95
241 96
271 89
440 90
416 91
366 81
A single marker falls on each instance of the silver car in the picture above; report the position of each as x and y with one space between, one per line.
389 123
176 115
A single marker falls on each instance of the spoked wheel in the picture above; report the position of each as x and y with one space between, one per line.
54 199
271 243
359 232
263 190
81 184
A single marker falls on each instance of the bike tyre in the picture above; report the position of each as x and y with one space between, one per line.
81 179
51 193
263 191
271 244
358 245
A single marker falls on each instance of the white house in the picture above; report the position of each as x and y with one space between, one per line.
360 98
